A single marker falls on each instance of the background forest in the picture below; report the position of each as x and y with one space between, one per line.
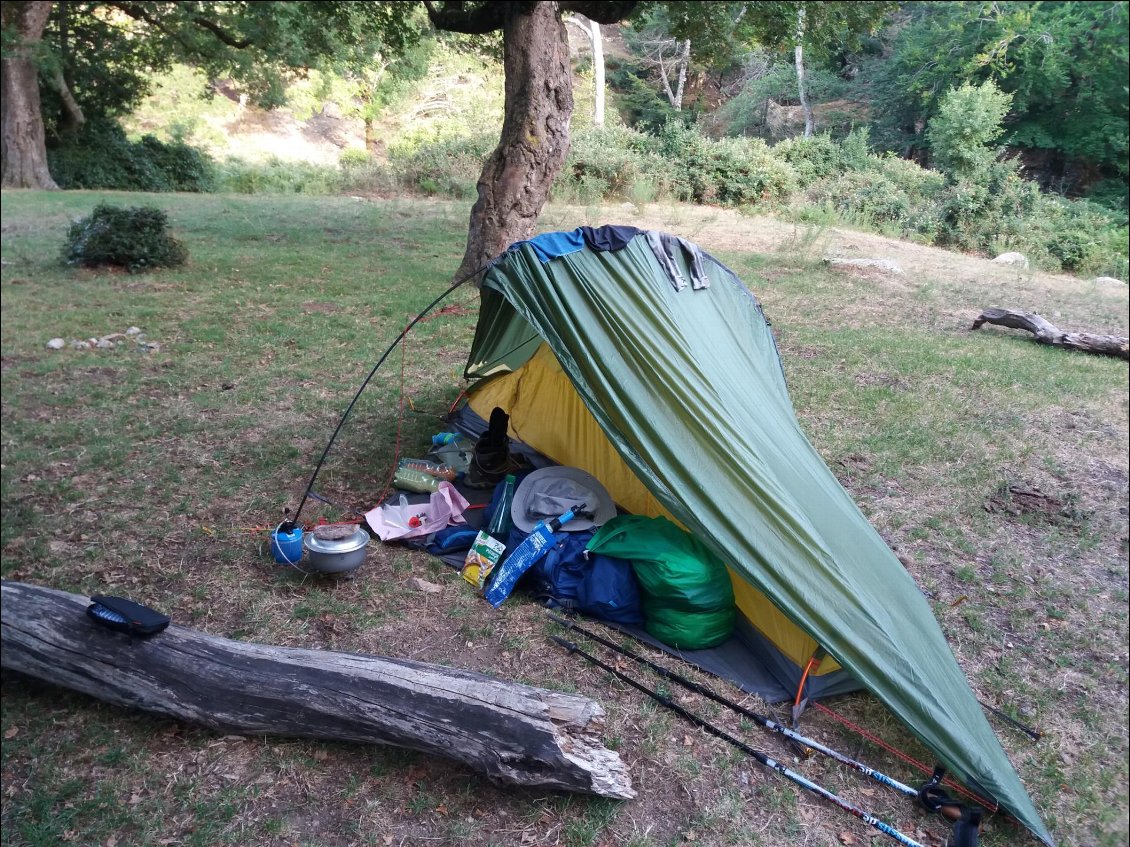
979 126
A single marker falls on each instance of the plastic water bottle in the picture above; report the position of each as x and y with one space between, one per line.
525 555
434 468
411 479
501 521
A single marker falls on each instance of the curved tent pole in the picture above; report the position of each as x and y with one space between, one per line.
291 522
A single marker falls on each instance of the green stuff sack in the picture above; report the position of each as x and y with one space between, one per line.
687 598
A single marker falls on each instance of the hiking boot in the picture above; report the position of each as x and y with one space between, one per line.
491 460
488 469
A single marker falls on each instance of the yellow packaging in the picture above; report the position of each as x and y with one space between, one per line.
481 559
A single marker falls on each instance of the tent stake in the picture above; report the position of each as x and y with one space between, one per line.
772 764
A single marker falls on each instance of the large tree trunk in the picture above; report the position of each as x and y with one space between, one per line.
23 145
517 177
512 733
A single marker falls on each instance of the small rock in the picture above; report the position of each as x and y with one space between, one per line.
56 344
149 347
882 264
427 587
133 330
1108 280
80 345
103 344
1014 259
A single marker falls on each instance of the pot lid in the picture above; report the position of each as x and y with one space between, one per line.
335 539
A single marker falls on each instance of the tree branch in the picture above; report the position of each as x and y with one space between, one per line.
455 17
602 13
73 109
138 13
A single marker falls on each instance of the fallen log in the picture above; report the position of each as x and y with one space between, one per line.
510 732
1045 333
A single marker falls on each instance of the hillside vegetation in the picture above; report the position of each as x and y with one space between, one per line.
429 135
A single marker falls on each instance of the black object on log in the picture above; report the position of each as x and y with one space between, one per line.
510 732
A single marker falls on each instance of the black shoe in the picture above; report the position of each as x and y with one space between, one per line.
488 470
491 460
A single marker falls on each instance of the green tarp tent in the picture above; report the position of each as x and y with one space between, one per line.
652 367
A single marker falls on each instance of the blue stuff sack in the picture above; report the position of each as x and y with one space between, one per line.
596 585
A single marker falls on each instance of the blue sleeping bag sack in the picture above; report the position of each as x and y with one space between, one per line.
593 584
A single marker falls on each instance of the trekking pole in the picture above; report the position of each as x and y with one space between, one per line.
760 720
772 764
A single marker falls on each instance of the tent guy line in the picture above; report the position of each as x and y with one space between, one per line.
292 521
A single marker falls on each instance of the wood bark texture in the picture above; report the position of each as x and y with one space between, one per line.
1046 333
512 733
23 142
534 142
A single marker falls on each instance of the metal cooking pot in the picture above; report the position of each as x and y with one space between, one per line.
335 555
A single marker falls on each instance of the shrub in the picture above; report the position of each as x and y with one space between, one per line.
275 176
1079 236
613 161
968 120
813 159
101 157
447 167
732 171
135 238
987 211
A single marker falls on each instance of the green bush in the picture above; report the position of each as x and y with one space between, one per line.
968 121
613 162
989 211
101 157
135 239
1079 236
275 176
731 171
447 166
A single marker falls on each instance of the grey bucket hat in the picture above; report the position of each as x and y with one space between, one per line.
550 492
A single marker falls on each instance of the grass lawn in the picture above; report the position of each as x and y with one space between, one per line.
996 469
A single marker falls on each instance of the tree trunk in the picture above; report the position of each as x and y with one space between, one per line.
597 74
809 120
516 179
23 144
684 64
1045 333
512 733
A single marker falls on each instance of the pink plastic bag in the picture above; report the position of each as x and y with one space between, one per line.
414 520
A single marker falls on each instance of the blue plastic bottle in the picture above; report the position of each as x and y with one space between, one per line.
536 545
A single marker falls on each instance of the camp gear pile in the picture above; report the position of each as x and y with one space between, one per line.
675 399
645 363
